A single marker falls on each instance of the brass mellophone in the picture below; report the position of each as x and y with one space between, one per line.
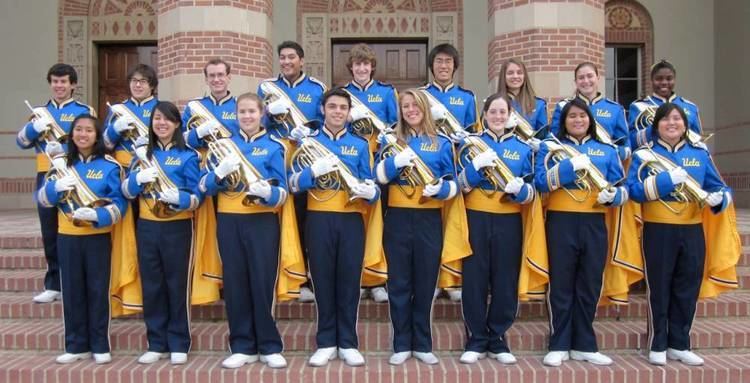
239 180
689 191
55 133
293 117
586 179
139 128
418 174
365 127
645 119
78 197
311 150
152 190
200 115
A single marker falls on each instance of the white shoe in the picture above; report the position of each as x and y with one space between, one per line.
352 357
379 294
306 295
70 358
471 357
178 358
102 358
238 360
596 358
454 294
685 356
398 358
150 357
426 357
555 358
321 356
47 296
504 357
657 358
273 360
362 293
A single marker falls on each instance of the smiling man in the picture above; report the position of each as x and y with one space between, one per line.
219 103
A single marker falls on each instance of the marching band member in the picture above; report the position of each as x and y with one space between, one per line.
608 114
413 235
335 228
496 233
55 119
142 82
166 181
84 238
513 82
251 235
220 104
679 235
294 93
376 98
641 112
577 238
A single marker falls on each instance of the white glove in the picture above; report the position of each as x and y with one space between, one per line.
512 122
206 128
484 159
145 176
382 136
514 186
142 153
404 158
42 124
279 106
300 132
59 163
170 196
606 196
438 111
227 165
358 112
580 162
123 123
715 198
260 188
458 136
678 175
54 148
365 190
432 190
323 166
534 143
85 214
64 184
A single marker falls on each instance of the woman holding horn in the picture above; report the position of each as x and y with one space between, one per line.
531 111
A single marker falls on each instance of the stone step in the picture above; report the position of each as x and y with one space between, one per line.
202 368
735 304
22 259
524 336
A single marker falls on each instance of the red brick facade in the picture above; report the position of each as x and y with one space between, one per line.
629 23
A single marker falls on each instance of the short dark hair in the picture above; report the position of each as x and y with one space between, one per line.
663 111
146 71
62 70
99 148
447 49
337 91
216 61
291 44
580 104
663 64
171 113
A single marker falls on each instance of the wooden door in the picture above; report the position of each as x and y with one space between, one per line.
115 61
403 64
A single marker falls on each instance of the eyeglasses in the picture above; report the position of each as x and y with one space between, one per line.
139 81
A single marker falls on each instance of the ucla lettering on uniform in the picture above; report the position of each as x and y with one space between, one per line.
171 161
146 113
374 98
259 151
603 113
687 111
595 152
349 151
94 174
228 115
425 147
66 117
511 155
690 163
306 98
456 101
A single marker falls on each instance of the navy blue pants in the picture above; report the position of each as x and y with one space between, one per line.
85 262
674 256
577 248
48 223
493 268
336 249
164 252
249 247
300 212
413 242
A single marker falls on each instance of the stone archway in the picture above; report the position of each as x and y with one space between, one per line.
628 22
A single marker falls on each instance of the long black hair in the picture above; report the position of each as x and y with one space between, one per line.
172 114
662 112
98 150
577 102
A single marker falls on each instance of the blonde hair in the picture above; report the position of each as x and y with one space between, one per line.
526 95
427 126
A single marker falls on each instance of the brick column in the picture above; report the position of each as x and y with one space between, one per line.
550 36
191 32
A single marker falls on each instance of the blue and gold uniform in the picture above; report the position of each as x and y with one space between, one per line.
381 99
608 114
250 242
641 137
577 240
64 113
305 92
165 249
496 237
113 140
335 238
677 246
414 242
459 101
85 252
537 117
224 110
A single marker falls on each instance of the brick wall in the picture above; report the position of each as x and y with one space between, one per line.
263 6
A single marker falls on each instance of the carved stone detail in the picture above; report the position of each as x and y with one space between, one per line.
75 51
